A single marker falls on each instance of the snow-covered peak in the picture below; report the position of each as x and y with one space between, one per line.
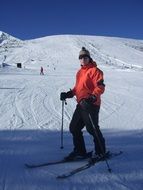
5 38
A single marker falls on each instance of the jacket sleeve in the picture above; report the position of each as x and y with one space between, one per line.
74 91
74 88
98 81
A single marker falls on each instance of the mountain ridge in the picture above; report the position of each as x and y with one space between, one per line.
61 49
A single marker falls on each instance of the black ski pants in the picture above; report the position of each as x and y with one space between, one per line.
79 120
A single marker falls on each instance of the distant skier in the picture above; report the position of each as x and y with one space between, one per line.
41 71
88 89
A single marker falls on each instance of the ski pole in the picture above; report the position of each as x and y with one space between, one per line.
63 101
99 142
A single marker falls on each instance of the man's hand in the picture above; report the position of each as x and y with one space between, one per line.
88 102
91 99
65 95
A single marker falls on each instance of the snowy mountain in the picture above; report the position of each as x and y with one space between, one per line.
8 41
6 38
62 49
8 44
30 111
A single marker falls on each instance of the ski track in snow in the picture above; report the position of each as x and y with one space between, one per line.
31 120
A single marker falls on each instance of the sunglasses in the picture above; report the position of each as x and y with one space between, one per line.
83 57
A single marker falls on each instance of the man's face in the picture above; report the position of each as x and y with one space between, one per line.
84 60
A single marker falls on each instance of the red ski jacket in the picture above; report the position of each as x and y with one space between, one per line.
89 81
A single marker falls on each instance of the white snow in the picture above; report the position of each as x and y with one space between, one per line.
30 112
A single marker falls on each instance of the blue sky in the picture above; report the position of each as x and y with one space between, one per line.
29 19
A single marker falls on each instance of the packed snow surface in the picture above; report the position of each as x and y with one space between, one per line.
31 112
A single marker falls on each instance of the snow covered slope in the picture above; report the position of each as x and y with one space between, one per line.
30 111
63 50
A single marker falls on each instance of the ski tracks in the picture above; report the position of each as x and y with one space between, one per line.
27 104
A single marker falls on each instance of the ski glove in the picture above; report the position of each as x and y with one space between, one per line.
65 95
87 103
91 99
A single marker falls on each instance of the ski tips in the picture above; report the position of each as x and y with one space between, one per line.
28 166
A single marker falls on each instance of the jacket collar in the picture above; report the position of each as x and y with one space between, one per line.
90 65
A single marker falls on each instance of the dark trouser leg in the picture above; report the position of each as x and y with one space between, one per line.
99 140
100 148
76 127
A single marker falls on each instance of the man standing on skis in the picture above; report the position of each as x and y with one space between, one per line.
88 89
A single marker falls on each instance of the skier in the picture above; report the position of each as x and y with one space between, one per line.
88 89
41 71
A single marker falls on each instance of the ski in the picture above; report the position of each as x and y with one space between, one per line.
89 154
45 164
90 163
